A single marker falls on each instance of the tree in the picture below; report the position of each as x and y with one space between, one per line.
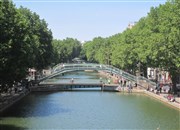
167 54
40 39
154 41
25 41
65 50
13 48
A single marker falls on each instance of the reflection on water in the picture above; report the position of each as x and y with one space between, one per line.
43 104
10 127
89 110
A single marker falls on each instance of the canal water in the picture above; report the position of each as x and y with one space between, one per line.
89 110
79 77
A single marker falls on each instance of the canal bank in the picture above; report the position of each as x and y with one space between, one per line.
163 98
7 100
140 89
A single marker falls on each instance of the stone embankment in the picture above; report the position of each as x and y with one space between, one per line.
139 89
7 99
163 98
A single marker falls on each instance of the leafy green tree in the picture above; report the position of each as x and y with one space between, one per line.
98 50
13 48
40 39
65 50
167 31
153 42
89 50
25 41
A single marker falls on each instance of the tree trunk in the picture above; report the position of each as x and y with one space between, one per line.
174 78
144 70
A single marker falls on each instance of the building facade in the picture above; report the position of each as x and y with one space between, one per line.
158 75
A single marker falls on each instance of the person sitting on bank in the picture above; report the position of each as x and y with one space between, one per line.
148 88
170 98
152 90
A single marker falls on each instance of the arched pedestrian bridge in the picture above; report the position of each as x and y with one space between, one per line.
64 68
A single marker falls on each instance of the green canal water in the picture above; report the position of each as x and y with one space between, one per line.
79 77
89 110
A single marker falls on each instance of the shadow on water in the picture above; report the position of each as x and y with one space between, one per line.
35 105
10 127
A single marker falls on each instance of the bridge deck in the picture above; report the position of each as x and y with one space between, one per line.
77 84
70 86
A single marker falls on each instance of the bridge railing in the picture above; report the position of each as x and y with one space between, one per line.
147 82
62 68
123 73
138 79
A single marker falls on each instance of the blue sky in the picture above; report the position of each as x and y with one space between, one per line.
86 19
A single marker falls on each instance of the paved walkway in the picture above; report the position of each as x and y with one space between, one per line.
163 98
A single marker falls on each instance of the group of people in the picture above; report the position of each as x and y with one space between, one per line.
122 82
128 84
159 89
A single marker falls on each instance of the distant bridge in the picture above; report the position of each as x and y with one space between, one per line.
64 68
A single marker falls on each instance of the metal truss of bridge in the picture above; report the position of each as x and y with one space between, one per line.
64 68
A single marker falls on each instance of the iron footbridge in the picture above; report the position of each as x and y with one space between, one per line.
64 68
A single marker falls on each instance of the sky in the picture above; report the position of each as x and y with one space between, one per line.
87 19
